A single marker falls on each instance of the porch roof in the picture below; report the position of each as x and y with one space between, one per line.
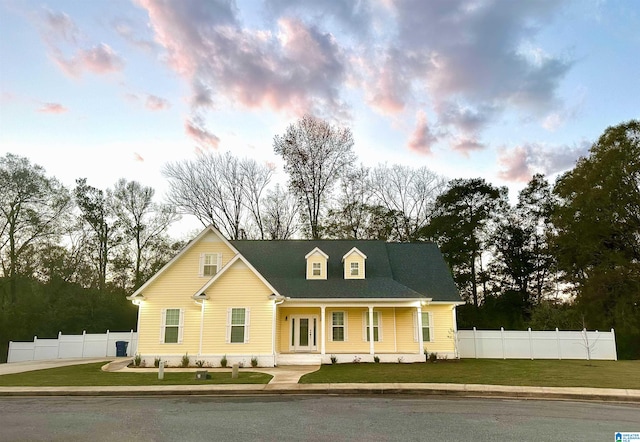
393 270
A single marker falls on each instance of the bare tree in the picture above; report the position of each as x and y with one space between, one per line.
279 214
143 221
256 178
211 188
316 154
409 192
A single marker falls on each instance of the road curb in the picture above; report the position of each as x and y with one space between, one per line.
460 390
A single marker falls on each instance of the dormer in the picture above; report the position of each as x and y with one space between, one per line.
353 262
316 264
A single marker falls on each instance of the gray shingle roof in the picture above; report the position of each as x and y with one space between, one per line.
393 270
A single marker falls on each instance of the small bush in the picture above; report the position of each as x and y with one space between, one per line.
433 357
376 359
200 363
137 360
156 362
254 361
184 362
223 361
357 359
400 359
334 359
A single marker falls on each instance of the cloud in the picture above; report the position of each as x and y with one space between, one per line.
422 139
53 108
295 70
129 33
100 59
156 103
138 157
522 162
196 130
59 26
465 145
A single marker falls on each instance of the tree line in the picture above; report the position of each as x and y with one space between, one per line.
565 255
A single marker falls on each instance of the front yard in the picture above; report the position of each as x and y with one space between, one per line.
91 375
549 373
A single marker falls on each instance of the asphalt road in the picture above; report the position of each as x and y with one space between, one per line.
325 418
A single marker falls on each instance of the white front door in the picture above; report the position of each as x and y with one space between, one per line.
303 333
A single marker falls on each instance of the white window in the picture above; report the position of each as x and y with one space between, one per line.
338 326
210 264
427 327
172 323
427 332
355 268
238 325
377 330
316 269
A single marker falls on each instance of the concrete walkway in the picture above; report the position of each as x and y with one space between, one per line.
285 381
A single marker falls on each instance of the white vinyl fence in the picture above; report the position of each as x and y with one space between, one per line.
501 344
86 345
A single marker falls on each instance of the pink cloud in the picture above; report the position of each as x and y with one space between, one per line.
201 135
100 59
156 103
515 165
465 145
422 139
138 157
53 108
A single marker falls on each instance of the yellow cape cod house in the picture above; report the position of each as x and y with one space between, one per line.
298 302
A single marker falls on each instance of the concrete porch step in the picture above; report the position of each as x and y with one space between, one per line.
299 359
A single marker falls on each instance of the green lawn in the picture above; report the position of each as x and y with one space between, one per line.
92 375
551 373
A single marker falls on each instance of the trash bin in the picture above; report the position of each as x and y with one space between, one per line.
121 348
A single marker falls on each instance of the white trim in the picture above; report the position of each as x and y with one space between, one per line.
163 325
418 326
227 267
203 259
207 229
365 319
317 249
344 326
354 250
247 323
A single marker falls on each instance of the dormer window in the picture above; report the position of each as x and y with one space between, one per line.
354 261
316 264
210 264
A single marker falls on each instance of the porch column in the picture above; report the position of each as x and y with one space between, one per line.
322 328
420 343
371 347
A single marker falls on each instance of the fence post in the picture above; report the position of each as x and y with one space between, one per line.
130 346
475 349
558 341
106 346
35 344
530 344
615 350
84 338
9 358
502 339
58 344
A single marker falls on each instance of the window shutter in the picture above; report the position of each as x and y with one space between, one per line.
219 262
431 328
416 337
201 266
365 315
180 326
247 312
330 324
228 338
346 321
163 319
379 325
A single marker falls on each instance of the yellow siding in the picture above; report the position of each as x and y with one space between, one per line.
354 257
316 257
442 340
174 288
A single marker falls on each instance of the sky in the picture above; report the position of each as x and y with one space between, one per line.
498 89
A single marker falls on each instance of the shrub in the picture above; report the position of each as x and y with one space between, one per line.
376 359
156 362
356 359
400 359
184 363
433 357
223 361
254 361
334 359
137 360
200 363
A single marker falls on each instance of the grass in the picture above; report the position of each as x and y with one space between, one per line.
548 373
92 375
